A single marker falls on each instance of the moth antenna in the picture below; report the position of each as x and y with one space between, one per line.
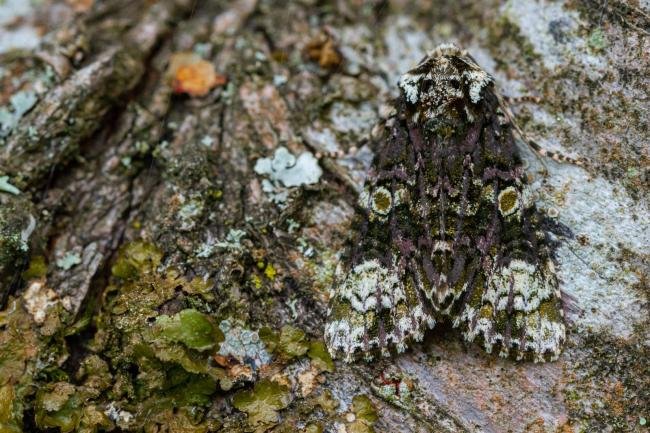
534 146
522 99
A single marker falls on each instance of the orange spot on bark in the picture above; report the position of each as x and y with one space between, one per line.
193 75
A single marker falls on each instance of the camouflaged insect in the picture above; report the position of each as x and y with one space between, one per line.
447 228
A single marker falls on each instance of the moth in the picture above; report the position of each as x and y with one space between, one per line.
447 228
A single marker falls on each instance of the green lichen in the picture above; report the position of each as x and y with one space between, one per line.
171 353
293 342
320 357
136 258
314 428
37 268
190 327
365 415
26 351
597 40
263 403
64 406
10 419
58 405
290 343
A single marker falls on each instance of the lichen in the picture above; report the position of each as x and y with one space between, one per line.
320 357
192 75
156 322
284 171
68 260
190 327
290 343
27 351
17 224
20 103
262 404
612 392
363 415
244 345
6 186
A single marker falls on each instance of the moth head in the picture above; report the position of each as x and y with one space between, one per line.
446 81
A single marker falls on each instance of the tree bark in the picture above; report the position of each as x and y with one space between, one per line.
111 154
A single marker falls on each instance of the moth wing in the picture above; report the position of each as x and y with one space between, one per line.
375 309
378 305
516 308
514 302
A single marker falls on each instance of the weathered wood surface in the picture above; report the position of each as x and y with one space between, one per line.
109 154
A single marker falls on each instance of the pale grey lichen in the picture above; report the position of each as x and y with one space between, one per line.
119 416
305 247
189 212
232 242
69 259
353 119
207 141
288 170
285 171
233 239
5 186
20 103
243 344
26 233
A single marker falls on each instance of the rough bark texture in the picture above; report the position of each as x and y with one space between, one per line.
109 154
